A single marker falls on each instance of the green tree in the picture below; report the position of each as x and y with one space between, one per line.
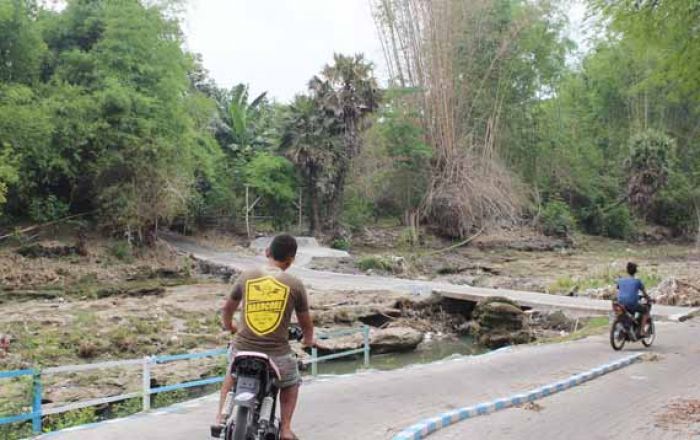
668 25
8 172
405 177
273 178
312 148
346 92
246 129
21 46
648 167
115 124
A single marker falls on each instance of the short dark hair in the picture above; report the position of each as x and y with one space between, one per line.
283 247
631 268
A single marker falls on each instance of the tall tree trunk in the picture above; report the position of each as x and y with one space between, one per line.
315 221
315 218
335 204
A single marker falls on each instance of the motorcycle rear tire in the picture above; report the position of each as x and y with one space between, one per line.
241 427
618 326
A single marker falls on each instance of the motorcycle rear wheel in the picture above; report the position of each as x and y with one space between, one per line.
241 427
618 335
651 335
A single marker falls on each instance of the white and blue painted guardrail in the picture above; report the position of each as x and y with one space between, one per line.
430 425
146 364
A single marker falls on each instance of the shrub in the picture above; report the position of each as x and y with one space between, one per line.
618 223
556 219
47 209
121 250
342 244
391 264
357 212
648 167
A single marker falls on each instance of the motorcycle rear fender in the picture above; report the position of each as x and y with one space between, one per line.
261 356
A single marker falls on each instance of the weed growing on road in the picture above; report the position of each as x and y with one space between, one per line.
590 327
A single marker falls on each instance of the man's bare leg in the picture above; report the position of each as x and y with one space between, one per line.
288 402
227 386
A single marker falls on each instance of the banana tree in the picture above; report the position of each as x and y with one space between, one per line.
245 126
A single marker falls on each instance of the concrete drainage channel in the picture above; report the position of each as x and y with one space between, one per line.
430 425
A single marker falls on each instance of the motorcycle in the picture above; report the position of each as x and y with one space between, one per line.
249 410
627 327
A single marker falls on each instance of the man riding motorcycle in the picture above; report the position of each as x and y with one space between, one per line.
268 296
628 290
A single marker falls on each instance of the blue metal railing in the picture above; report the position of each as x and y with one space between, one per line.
146 364
35 415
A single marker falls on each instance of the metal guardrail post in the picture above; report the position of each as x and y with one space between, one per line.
36 402
146 383
314 361
365 334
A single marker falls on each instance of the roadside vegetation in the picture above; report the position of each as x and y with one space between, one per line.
105 116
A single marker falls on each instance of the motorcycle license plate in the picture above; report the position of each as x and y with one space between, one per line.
247 384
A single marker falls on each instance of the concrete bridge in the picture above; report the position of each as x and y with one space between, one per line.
323 280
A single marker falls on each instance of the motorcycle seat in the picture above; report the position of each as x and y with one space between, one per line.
261 356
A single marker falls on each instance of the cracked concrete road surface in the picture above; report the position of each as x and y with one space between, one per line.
377 405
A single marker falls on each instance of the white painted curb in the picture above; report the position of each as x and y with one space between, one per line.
428 426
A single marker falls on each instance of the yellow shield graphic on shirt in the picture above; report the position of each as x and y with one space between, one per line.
265 302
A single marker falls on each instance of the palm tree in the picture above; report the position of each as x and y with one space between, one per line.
307 144
347 92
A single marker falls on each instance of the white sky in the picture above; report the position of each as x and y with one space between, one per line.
278 45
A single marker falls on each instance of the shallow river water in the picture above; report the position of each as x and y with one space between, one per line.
428 351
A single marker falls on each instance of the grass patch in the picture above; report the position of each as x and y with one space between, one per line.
591 327
374 262
122 251
567 284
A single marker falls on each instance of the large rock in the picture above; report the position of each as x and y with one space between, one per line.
395 340
556 320
370 314
499 322
389 340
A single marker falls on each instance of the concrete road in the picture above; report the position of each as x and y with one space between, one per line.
322 280
635 402
376 405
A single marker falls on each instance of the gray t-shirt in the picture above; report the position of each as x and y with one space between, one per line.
268 296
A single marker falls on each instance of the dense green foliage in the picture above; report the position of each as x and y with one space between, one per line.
608 137
103 113
107 120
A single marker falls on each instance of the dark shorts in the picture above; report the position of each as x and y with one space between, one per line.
287 365
637 308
